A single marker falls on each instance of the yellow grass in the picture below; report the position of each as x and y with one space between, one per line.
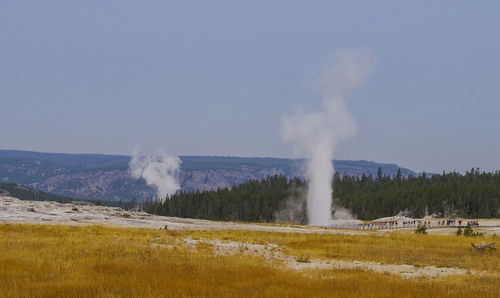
402 247
89 261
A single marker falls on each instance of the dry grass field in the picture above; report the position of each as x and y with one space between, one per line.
395 247
99 261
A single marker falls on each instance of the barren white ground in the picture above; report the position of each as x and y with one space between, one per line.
13 210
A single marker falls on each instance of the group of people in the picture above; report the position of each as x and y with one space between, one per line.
393 224
474 223
453 223
414 223
379 225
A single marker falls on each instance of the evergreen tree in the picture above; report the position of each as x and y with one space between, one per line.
473 195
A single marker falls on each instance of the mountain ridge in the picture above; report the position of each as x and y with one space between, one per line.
106 177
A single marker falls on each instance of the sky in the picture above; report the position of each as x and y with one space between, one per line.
215 77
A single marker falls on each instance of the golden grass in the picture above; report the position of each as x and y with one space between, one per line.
90 261
398 247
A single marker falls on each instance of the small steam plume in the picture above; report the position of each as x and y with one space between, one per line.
316 134
159 170
293 209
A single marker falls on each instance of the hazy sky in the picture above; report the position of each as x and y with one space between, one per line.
214 77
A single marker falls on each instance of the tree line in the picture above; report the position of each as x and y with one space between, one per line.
254 200
472 195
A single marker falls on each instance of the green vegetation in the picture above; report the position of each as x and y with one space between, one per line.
469 232
421 229
255 200
474 194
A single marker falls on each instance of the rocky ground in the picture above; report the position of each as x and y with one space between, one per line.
15 210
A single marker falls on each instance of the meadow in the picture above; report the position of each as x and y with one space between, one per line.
100 261
391 247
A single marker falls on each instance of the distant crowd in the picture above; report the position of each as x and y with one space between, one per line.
393 224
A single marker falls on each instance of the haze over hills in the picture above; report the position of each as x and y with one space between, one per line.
107 177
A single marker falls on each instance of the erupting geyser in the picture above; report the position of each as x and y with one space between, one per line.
315 135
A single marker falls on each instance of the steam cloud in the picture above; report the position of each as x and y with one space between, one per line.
316 134
159 170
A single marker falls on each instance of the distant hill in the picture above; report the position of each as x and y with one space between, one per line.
26 193
106 177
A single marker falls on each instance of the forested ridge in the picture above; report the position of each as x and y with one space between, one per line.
26 193
107 177
475 194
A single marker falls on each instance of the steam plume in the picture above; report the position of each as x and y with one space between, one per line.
158 169
316 134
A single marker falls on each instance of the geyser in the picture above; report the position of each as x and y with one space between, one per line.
159 170
315 135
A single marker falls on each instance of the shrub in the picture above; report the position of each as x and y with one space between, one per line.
303 259
421 229
469 232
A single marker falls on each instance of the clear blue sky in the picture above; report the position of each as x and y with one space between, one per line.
214 77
